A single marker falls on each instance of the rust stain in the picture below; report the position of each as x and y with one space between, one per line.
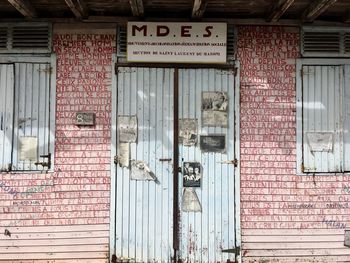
192 245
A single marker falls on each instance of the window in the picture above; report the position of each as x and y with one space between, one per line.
323 114
26 140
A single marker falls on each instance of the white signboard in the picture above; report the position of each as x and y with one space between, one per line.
176 42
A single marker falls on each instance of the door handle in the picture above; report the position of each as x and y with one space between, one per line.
1 121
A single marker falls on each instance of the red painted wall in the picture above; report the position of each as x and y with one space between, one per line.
77 206
275 202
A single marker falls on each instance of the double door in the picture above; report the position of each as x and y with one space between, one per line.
175 174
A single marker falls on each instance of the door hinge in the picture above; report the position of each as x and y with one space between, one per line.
235 250
116 159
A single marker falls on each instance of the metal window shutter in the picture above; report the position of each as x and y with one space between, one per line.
31 120
6 114
322 113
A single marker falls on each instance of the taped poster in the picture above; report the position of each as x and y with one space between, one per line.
188 132
192 174
190 201
127 128
141 171
28 148
214 108
320 141
123 154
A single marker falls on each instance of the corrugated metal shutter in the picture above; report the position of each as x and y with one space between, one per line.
144 208
322 116
31 118
205 234
6 114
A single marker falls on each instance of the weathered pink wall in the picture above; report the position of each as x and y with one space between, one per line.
282 214
74 212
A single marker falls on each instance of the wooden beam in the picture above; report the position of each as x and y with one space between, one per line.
24 7
279 9
198 8
78 7
137 8
316 8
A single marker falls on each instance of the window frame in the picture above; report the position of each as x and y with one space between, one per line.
37 58
299 105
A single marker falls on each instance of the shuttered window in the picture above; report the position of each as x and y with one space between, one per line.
325 96
25 116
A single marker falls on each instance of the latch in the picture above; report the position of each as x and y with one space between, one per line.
235 250
116 159
1 121
234 162
47 163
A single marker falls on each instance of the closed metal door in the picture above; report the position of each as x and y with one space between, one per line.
144 216
205 233
151 224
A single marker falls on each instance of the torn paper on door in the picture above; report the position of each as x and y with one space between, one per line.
28 148
190 201
141 171
123 154
127 128
214 109
320 141
188 132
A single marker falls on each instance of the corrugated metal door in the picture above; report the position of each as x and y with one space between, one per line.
6 114
144 208
322 118
205 234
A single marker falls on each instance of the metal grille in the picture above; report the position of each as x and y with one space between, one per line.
3 37
121 46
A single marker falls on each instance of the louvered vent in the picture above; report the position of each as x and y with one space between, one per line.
30 37
3 37
325 42
322 42
231 44
121 44
347 43
25 38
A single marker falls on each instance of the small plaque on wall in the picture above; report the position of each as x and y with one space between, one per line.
85 118
213 143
